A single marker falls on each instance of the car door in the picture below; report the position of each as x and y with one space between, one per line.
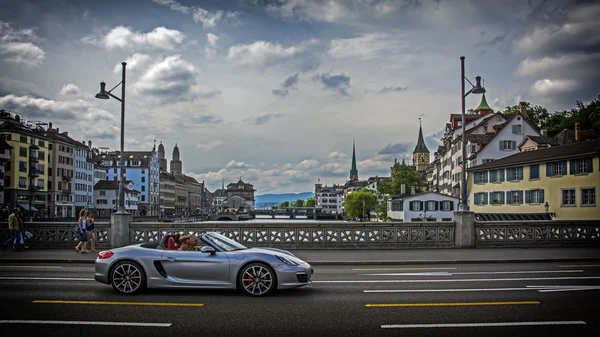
196 268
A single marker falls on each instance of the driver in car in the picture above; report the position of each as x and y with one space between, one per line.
188 242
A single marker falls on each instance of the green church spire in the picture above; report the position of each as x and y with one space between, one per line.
353 171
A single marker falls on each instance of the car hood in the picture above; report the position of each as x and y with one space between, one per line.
273 251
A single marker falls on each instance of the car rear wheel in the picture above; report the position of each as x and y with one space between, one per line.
258 279
127 277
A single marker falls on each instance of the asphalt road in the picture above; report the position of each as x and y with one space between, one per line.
537 299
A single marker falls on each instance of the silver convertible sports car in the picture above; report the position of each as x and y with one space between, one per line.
218 263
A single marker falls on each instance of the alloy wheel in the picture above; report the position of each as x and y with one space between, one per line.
127 278
257 280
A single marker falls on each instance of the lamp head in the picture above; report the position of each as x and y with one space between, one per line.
102 94
478 89
547 207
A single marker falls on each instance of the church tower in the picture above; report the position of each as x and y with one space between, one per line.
162 159
484 107
421 153
353 170
176 166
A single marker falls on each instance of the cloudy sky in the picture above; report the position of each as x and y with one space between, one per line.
274 91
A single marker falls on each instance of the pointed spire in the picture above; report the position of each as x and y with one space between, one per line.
421 147
483 106
353 170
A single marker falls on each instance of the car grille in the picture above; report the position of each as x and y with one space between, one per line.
302 277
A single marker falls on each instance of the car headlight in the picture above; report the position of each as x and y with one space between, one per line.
286 260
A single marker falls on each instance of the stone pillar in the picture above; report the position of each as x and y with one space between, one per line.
119 229
464 232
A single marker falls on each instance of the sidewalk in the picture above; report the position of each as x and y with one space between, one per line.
363 256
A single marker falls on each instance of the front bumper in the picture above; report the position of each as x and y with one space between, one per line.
293 276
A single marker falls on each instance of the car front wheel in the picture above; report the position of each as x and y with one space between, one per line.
258 279
127 277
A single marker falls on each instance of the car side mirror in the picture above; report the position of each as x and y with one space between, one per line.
208 249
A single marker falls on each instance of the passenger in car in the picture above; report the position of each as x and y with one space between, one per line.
188 242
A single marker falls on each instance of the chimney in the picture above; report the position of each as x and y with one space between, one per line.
577 132
90 143
50 126
403 189
57 130
523 108
412 190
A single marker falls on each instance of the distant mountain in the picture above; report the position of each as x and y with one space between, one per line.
279 198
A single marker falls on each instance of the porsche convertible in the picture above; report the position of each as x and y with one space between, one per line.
218 262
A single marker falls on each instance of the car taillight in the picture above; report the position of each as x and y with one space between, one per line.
105 254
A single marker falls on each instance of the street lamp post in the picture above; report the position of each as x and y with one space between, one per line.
103 94
476 89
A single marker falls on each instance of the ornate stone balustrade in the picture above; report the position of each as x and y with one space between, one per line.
307 235
59 234
538 233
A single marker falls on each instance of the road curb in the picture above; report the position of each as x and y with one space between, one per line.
345 263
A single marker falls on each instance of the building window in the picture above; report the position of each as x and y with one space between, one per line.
508 145
558 168
517 129
588 196
534 196
481 198
514 174
514 197
22 182
534 172
480 177
23 139
397 206
23 151
496 198
579 166
22 166
415 205
473 148
447 205
568 197
431 205
40 183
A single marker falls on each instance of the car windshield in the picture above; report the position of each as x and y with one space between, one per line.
224 242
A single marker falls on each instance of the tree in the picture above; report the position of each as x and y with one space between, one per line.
311 202
536 115
299 203
401 174
284 204
382 208
358 202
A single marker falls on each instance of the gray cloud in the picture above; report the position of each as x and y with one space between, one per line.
339 83
494 41
9 86
263 119
204 120
19 46
398 148
387 89
289 83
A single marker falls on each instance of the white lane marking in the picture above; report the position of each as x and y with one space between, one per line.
542 289
138 324
488 324
18 278
463 280
445 273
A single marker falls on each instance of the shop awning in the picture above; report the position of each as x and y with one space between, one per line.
25 206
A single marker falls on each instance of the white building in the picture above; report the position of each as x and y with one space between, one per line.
106 194
330 199
427 206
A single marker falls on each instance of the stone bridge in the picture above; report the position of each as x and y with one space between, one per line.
337 234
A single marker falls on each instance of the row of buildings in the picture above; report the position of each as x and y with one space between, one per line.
514 172
47 172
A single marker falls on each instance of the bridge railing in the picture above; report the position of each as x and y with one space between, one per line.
537 233
59 234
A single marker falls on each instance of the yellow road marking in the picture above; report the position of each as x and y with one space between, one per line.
47 267
450 304
404 269
580 265
157 304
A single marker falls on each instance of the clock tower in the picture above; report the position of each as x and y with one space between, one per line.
421 153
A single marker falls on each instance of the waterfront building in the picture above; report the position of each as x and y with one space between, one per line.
142 168
83 177
558 182
426 206
106 195
26 176
167 194
239 196
330 198
219 196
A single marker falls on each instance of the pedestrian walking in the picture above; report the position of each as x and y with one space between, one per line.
82 228
15 226
90 230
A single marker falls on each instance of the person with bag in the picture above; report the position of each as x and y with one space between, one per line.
15 225
81 228
90 230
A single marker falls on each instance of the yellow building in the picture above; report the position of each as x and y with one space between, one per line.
25 175
558 182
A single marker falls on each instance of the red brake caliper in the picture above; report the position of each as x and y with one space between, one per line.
249 279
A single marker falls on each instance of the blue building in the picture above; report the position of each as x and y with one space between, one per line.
83 177
141 168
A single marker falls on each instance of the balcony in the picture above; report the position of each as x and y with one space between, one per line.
65 192
66 178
